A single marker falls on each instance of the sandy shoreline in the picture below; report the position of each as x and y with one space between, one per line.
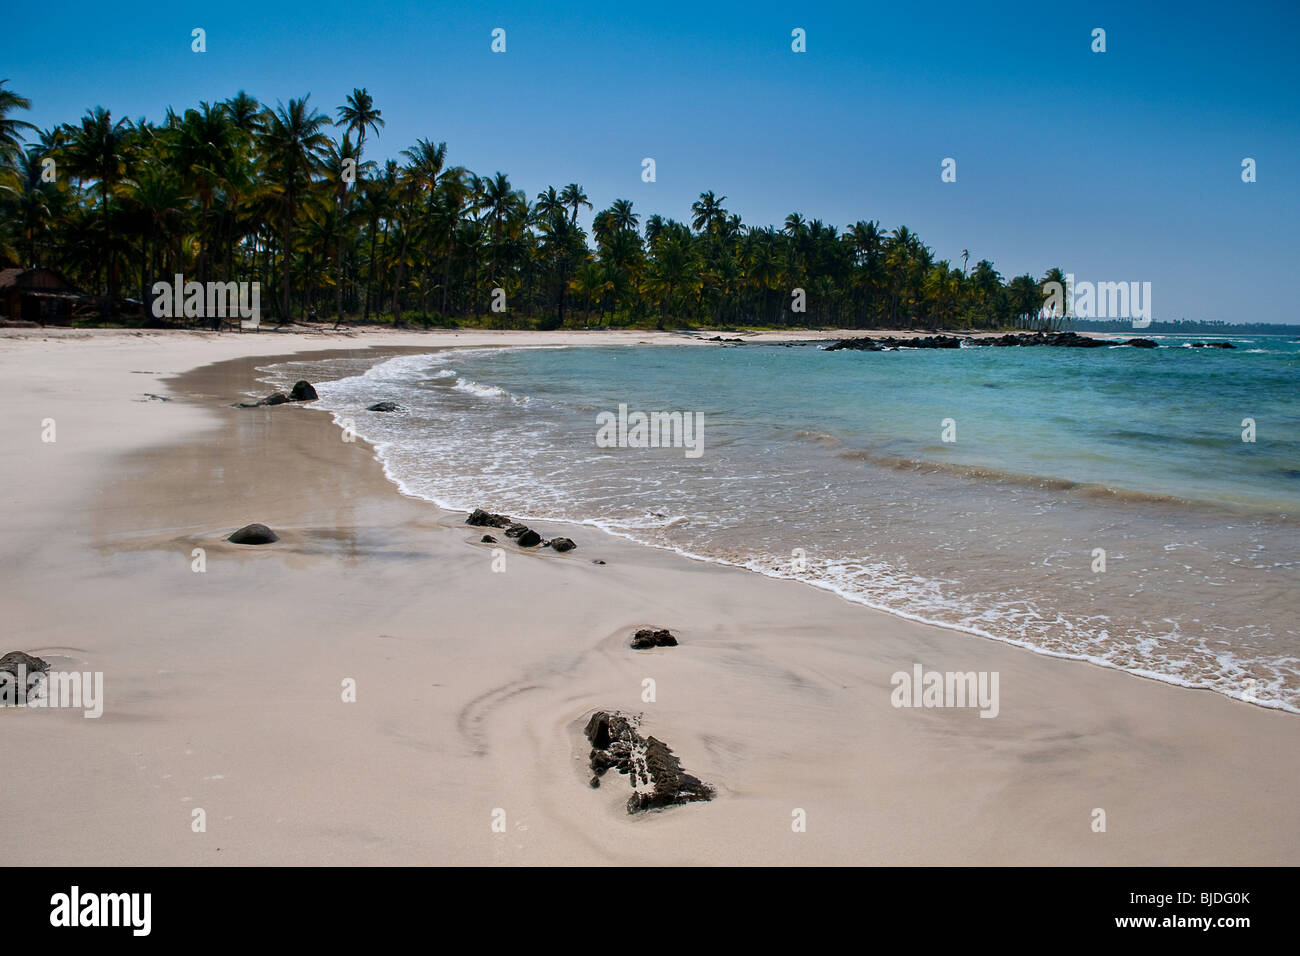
223 688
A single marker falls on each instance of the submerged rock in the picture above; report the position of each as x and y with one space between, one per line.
302 391
384 407
1141 343
653 637
654 771
254 534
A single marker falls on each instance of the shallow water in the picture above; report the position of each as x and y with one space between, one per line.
832 467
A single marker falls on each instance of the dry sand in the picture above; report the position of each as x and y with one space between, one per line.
223 688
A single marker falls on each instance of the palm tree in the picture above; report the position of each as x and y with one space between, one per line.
158 201
708 212
338 158
548 204
95 151
294 147
357 115
378 198
204 147
244 112
231 186
11 137
420 178
622 216
575 197
498 196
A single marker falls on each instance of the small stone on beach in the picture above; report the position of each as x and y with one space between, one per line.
10 663
254 534
653 637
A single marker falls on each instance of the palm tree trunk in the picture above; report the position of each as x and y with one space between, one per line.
370 278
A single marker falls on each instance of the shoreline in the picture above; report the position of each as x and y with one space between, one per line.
1228 511
778 695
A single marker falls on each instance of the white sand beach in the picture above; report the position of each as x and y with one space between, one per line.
223 689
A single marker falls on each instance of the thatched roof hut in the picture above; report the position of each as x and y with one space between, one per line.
39 295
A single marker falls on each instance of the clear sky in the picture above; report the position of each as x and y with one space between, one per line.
1116 166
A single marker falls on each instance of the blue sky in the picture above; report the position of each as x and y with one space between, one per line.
1116 166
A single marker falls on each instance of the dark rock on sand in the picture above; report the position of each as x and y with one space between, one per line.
528 538
488 539
597 561
302 391
384 407
254 534
15 659
653 637
655 773
515 529
561 544
671 784
486 519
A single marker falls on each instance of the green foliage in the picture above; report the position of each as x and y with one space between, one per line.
239 191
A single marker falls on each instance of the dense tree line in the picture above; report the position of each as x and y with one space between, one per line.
240 191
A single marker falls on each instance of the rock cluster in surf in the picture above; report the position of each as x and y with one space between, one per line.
523 535
1020 340
302 391
655 773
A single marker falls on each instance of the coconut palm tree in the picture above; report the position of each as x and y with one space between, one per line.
11 135
294 147
357 115
572 195
203 150
96 152
707 212
498 197
420 178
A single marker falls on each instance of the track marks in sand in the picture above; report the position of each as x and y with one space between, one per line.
473 716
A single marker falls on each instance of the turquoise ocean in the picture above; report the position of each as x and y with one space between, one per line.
1099 504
